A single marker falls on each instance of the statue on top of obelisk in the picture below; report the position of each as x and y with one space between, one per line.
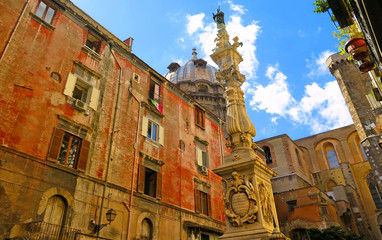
248 196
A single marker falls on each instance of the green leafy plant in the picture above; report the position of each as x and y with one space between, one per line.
331 233
342 34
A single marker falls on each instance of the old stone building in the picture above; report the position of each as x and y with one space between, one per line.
323 180
362 96
197 78
93 141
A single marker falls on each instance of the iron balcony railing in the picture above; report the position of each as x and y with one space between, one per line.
47 231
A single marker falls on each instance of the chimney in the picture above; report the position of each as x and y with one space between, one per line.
129 42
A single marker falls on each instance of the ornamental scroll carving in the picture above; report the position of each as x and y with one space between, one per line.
240 200
266 206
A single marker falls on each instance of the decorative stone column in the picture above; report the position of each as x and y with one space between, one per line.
248 196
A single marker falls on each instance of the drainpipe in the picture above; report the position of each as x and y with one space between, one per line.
111 138
13 31
220 142
180 188
134 165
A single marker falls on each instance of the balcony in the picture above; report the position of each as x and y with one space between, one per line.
47 231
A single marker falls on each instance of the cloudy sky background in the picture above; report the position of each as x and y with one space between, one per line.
285 45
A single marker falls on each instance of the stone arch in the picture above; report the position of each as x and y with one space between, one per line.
52 192
321 149
354 143
330 184
151 218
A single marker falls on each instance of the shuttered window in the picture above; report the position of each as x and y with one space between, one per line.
150 182
199 117
202 203
69 150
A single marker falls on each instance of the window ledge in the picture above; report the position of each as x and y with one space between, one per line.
41 21
152 142
91 53
200 126
149 198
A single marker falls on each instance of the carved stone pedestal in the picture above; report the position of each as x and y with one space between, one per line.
248 198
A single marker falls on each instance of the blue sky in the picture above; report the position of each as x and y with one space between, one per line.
288 88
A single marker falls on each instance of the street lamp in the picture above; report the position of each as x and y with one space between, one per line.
110 216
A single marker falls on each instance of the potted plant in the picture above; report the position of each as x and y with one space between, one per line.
351 38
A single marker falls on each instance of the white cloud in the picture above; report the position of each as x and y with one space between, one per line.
273 98
321 108
274 120
194 22
204 35
236 7
317 65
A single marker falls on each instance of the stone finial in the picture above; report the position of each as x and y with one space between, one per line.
194 53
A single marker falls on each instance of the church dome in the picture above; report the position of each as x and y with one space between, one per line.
195 69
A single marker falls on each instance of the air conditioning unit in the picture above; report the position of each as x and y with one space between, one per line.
203 169
79 105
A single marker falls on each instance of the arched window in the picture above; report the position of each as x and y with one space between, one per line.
146 230
55 210
268 156
330 185
374 190
202 88
332 158
298 157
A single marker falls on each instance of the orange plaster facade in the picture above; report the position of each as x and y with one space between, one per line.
38 60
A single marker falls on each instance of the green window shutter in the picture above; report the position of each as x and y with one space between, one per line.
70 84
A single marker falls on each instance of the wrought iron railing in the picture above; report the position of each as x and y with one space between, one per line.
47 231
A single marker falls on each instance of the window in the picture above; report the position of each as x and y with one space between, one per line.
202 157
68 150
204 236
152 130
298 157
374 190
332 158
199 117
202 88
45 12
324 210
80 91
268 156
291 205
81 87
93 43
202 202
149 182
154 92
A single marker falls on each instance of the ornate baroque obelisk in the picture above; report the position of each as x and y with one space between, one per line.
248 196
